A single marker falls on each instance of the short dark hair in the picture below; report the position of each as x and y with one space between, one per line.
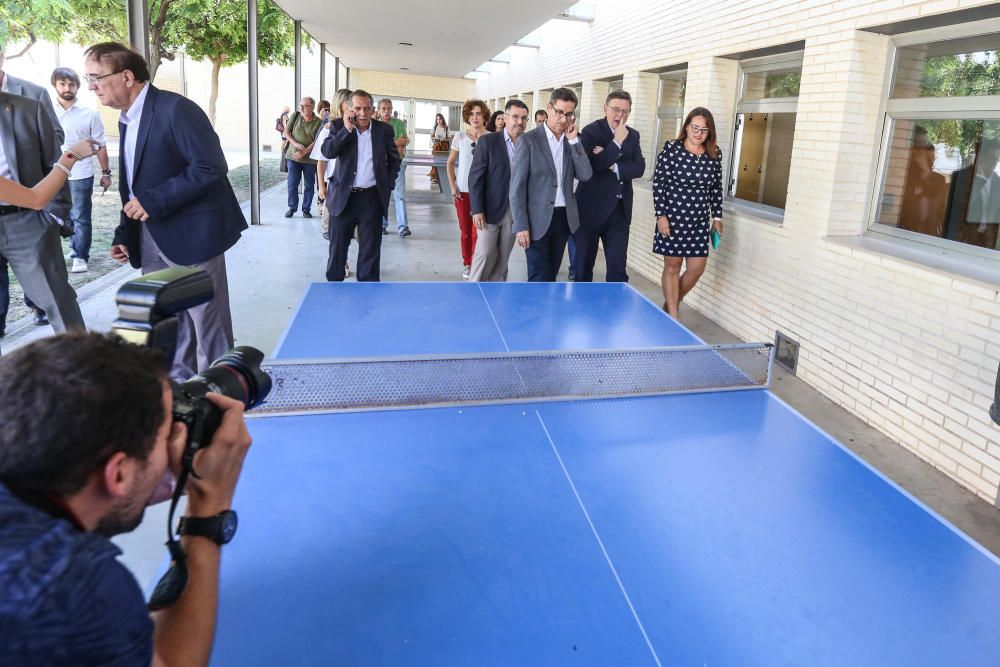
564 95
65 74
364 93
69 402
618 95
515 103
545 114
121 58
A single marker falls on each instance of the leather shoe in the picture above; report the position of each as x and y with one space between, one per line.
306 214
40 319
405 231
290 212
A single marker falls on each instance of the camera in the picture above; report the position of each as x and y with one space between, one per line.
147 315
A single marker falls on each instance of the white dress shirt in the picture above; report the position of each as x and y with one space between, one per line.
78 123
5 170
510 145
131 120
365 175
556 146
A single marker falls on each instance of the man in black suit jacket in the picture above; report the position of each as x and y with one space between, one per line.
489 195
358 193
605 200
178 208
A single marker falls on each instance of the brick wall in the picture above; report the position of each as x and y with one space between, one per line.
909 349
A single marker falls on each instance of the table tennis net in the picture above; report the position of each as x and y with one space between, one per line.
359 384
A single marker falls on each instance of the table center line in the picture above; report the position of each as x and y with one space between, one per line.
597 536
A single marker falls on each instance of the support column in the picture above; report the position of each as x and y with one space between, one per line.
138 26
336 73
348 84
322 71
298 62
644 89
253 109
591 106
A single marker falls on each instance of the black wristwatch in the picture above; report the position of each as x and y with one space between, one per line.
105 172
220 528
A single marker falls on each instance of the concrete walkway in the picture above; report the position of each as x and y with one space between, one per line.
272 264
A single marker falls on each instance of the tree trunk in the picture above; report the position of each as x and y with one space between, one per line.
214 95
156 38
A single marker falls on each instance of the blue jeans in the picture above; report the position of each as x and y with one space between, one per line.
82 191
296 172
400 198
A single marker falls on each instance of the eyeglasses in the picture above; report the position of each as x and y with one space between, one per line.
562 114
516 117
619 110
96 80
694 129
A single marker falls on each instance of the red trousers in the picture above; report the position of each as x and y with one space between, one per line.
468 229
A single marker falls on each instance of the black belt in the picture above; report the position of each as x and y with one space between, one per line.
363 189
7 210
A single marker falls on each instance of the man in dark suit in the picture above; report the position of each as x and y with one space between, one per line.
542 203
14 86
973 214
606 199
178 206
489 195
30 240
358 193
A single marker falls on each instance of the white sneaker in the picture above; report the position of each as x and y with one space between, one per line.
79 265
466 272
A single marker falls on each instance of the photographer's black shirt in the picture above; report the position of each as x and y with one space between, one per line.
64 597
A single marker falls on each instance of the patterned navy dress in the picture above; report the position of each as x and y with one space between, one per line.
687 188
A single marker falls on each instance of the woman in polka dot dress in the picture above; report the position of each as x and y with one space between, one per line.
687 198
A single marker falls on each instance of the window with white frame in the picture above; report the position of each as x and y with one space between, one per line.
940 168
669 107
765 128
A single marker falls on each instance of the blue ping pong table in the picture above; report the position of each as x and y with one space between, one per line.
697 529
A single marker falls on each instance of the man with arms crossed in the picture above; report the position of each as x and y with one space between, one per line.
606 199
84 469
489 196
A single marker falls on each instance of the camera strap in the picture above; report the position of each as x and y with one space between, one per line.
172 584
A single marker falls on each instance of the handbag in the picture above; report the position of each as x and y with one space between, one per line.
283 166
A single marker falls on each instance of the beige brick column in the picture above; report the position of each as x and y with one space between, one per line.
643 87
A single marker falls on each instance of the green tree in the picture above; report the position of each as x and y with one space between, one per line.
959 75
27 21
216 30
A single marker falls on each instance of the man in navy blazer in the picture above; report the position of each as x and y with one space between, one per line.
605 201
489 195
178 206
358 193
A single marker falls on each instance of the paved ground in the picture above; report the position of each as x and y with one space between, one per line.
273 262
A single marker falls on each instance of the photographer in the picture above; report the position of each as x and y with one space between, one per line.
87 440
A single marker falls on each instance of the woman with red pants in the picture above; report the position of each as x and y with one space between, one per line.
475 113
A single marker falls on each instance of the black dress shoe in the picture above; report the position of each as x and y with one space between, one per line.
290 212
405 231
306 214
40 319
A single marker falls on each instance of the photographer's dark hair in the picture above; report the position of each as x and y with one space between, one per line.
121 58
563 94
491 124
65 74
67 403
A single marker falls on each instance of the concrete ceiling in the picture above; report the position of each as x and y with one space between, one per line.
450 37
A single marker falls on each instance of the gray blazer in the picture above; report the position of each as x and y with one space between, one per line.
533 182
24 88
31 146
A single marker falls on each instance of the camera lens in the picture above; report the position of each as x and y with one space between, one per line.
236 374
